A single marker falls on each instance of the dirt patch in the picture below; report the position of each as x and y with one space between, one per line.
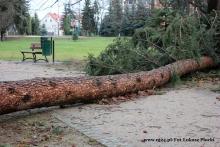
71 65
41 129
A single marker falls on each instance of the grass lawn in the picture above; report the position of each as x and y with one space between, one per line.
65 49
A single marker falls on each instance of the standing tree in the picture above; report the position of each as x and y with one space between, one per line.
6 16
116 16
35 25
21 16
88 22
13 12
140 16
29 25
127 19
106 27
96 16
67 18
112 23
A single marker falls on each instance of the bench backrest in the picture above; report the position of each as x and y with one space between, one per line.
35 46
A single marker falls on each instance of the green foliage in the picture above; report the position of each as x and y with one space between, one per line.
116 16
182 38
175 80
167 37
140 15
127 28
67 25
35 25
5 145
21 16
112 23
120 57
88 21
125 20
67 18
14 12
106 28
29 25
75 35
66 50
57 130
213 44
133 17
176 36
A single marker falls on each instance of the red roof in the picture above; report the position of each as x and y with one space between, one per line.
55 16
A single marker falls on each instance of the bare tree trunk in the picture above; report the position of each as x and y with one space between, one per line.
42 92
2 35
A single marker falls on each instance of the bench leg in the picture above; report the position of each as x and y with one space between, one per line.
46 59
34 57
23 57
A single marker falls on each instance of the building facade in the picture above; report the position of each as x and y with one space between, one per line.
52 23
147 3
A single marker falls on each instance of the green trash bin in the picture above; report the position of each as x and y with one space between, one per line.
47 46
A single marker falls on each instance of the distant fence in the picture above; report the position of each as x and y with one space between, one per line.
16 37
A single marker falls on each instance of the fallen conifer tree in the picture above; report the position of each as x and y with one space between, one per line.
46 92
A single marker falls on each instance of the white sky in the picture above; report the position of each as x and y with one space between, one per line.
42 7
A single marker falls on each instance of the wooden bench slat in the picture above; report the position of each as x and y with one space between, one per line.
35 48
37 52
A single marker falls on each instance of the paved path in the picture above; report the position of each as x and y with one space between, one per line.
13 71
186 113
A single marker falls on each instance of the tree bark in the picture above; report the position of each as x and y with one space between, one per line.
45 92
2 35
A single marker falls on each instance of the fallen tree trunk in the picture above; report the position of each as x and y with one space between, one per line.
42 92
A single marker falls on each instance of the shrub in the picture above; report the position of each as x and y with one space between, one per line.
75 35
122 57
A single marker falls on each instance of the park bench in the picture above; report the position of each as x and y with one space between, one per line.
35 49
44 48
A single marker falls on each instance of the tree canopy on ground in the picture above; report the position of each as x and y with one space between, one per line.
168 35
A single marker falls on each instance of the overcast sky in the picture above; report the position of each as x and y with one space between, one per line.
42 7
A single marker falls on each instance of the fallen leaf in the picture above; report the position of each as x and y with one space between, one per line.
145 131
